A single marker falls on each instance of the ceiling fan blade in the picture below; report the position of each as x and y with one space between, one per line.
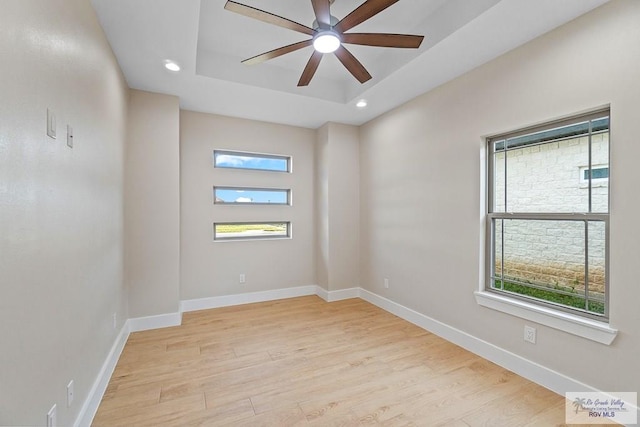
352 64
321 9
362 13
267 17
277 52
310 69
383 40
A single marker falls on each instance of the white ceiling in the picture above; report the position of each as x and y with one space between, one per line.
209 42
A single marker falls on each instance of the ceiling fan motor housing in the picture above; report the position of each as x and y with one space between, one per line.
316 26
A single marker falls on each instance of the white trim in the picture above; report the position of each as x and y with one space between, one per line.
247 298
91 403
322 293
576 325
154 322
263 296
342 294
553 380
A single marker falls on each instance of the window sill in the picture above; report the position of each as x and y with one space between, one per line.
576 325
252 239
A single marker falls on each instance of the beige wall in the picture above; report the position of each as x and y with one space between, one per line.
152 204
322 206
61 211
422 188
338 206
212 268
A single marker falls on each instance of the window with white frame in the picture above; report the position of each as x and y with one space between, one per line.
251 196
257 227
598 175
251 230
548 232
254 161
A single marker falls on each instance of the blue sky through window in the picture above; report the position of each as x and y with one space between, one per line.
229 159
251 195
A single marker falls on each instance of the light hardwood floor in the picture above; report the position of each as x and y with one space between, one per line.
303 361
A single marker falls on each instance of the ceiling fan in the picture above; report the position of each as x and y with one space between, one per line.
328 35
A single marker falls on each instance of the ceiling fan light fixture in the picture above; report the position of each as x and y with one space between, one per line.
326 41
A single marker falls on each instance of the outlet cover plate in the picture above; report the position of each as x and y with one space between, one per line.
530 334
69 394
69 136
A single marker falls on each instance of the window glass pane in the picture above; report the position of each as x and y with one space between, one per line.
498 253
499 180
596 173
235 195
549 170
597 276
241 160
545 260
600 173
251 230
546 177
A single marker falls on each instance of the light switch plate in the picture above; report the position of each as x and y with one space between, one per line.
52 417
51 124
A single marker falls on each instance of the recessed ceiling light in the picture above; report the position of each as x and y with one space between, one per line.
171 65
362 103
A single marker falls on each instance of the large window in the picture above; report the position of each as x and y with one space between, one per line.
251 224
548 215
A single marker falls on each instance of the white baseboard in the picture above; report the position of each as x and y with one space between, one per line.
342 294
90 406
154 322
532 371
322 293
246 298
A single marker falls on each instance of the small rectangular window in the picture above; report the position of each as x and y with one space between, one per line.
251 230
253 161
251 196
598 174
547 232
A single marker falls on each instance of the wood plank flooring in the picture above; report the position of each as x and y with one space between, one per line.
305 362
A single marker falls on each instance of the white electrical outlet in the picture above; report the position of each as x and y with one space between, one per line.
69 394
386 283
115 320
530 334
52 417
69 136
243 279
